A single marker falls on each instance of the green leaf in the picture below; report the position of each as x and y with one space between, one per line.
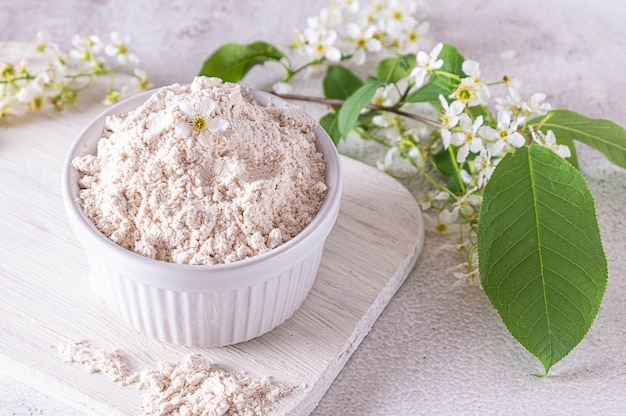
444 80
540 254
445 163
350 110
395 68
340 82
329 123
604 135
232 61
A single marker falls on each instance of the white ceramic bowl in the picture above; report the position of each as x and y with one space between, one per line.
202 305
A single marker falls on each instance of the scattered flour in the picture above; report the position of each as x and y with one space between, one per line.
193 387
204 196
97 360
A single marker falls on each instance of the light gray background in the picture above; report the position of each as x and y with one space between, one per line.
435 350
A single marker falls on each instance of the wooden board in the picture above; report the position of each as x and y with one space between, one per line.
45 298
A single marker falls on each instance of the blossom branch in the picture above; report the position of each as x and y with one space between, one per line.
335 101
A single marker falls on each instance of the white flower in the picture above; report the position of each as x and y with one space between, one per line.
410 39
470 275
32 90
399 13
282 88
536 105
140 79
468 204
449 118
387 163
485 166
321 44
426 63
362 41
386 96
511 103
426 200
8 107
199 121
472 90
44 45
468 138
86 49
549 140
119 49
512 82
350 6
504 135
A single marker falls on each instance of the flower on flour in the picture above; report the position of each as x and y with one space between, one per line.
199 121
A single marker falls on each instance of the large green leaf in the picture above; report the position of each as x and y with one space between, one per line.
350 110
232 61
540 254
340 82
443 81
604 135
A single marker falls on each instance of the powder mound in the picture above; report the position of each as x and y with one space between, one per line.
212 187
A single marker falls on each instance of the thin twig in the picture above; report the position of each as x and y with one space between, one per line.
334 101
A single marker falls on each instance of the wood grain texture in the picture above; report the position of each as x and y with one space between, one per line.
45 299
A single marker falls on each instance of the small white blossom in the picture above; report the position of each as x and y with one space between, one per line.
468 138
426 200
120 49
282 88
549 140
362 41
449 118
321 44
199 121
386 96
410 40
34 90
468 203
511 103
387 162
536 104
472 90
485 166
426 63
505 135
399 14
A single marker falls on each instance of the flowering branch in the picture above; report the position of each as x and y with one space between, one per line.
65 75
336 101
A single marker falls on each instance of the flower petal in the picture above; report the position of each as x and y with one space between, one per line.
217 124
207 106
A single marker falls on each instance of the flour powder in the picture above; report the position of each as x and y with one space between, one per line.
185 182
193 387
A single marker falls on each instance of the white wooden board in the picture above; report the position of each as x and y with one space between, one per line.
45 299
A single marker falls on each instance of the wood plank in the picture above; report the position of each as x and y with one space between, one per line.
45 298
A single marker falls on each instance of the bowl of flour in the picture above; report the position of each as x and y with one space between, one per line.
202 209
